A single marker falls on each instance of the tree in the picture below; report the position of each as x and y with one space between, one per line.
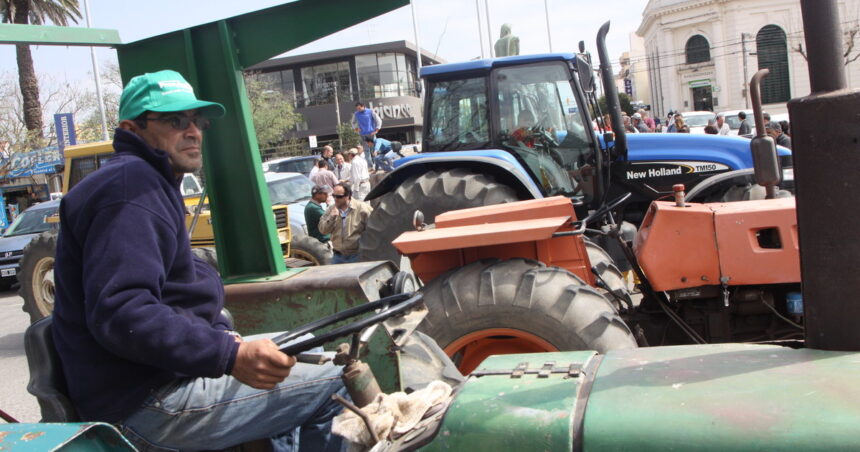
36 12
273 114
849 36
623 99
89 128
347 134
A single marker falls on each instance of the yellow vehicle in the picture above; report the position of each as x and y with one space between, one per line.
36 276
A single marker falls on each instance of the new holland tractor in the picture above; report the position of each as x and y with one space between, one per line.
522 127
773 396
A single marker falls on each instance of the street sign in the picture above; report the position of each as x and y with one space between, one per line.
628 86
312 140
64 124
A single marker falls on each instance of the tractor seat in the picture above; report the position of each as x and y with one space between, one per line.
47 381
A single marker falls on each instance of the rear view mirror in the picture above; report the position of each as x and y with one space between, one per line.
586 76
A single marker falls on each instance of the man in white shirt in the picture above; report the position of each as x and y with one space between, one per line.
359 175
722 126
342 169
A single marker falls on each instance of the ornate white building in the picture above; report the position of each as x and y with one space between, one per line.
700 54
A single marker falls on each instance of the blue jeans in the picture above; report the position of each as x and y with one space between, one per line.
338 258
216 413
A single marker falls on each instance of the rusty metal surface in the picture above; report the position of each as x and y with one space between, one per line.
67 437
725 397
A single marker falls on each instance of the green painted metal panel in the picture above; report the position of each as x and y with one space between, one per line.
502 413
725 397
211 57
53 35
69 437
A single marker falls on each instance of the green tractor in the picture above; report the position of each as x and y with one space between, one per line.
776 396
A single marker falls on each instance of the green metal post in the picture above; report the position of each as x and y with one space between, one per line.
211 57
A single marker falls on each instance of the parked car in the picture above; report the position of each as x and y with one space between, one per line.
697 120
294 191
28 225
301 164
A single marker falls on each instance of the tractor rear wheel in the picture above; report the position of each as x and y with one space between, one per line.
518 306
310 249
36 275
433 193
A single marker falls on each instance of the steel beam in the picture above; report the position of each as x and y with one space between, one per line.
52 35
212 57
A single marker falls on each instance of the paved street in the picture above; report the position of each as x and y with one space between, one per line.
14 398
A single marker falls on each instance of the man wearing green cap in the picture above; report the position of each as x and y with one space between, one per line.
137 319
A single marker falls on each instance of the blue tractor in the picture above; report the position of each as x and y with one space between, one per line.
516 128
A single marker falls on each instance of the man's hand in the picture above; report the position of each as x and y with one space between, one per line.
261 365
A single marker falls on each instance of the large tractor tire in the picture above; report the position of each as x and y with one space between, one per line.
496 306
36 275
432 193
310 249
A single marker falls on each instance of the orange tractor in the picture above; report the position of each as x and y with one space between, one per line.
523 277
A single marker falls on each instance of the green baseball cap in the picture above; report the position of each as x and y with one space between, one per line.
162 91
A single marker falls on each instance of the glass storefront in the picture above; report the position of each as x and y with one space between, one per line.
320 82
385 75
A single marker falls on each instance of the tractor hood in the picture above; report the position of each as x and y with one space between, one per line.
704 398
731 151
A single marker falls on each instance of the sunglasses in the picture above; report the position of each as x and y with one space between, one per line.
181 122
339 196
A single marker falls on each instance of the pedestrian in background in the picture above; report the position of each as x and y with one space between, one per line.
773 129
722 126
680 125
327 154
346 220
639 123
341 169
744 128
366 122
359 175
670 123
315 209
649 121
323 176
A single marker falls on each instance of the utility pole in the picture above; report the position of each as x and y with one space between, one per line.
480 30
417 80
744 37
337 112
548 34
489 28
97 77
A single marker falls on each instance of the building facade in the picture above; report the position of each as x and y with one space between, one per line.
700 54
325 86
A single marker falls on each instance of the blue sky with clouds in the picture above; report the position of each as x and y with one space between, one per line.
450 26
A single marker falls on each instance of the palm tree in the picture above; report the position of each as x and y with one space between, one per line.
36 12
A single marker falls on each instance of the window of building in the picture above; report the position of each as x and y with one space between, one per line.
322 81
773 54
385 75
698 50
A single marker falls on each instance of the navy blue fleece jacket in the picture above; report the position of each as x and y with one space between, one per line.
135 309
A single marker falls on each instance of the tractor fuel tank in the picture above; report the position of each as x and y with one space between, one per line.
739 243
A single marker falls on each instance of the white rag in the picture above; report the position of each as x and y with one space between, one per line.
389 414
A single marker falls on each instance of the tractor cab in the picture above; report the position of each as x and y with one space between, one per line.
537 114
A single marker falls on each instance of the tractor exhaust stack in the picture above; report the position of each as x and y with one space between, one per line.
825 166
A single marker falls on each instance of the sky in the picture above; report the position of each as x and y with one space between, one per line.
447 27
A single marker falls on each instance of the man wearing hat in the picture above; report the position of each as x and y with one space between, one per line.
314 210
137 319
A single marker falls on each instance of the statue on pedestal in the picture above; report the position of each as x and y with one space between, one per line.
507 44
